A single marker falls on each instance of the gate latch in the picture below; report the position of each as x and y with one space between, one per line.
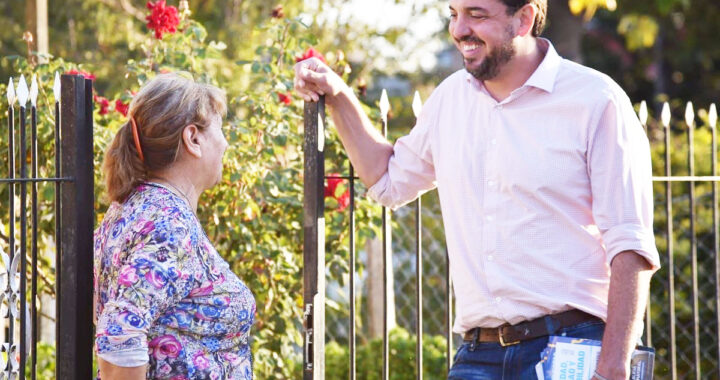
308 323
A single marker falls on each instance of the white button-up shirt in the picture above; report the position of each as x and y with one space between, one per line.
538 192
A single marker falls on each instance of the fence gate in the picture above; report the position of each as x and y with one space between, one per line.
314 256
73 217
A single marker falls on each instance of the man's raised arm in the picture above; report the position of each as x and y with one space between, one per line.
368 150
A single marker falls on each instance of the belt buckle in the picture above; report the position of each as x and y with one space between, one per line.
503 343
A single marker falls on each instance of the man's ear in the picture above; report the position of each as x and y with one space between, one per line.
526 17
191 140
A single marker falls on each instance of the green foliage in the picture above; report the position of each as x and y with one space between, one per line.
640 31
45 369
402 358
254 216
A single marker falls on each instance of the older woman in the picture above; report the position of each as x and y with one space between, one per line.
167 305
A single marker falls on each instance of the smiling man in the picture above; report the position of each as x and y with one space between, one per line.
543 173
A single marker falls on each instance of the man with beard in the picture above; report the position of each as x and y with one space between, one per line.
543 173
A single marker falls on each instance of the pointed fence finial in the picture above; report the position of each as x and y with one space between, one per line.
643 113
665 115
34 91
689 115
11 93
56 87
712 116
417 104
22 91
384 105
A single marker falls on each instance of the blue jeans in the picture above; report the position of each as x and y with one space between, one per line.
491 361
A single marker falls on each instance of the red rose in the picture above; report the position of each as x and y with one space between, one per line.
284 98
103 103
277 12
162 19
80 72
332 184
343 199
309 53
362 87
121 107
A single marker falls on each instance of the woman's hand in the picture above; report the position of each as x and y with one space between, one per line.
109 371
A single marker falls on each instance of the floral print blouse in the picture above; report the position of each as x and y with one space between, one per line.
164 296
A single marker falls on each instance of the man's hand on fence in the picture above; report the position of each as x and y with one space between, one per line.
313 79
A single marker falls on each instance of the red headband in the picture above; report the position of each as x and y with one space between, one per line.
136 137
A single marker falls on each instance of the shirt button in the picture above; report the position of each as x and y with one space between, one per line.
491 182
498 299
493 141
489 218
490 258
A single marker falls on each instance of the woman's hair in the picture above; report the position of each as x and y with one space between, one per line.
161 109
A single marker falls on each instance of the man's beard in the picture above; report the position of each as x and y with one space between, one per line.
490 67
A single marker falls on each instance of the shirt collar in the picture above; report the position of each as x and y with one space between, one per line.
544 75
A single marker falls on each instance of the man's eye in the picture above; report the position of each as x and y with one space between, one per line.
478 16
453 16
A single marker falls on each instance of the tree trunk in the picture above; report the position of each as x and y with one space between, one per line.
565 30
36 22
374 250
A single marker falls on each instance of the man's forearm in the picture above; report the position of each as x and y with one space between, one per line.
629 286
368 150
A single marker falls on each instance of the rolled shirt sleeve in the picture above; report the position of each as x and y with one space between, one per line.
155 276
411 171
621 179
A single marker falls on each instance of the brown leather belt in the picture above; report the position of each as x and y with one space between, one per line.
508 334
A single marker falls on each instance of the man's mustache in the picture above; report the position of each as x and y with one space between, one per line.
472 39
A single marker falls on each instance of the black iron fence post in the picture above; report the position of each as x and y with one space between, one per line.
75 330
314 242
11 291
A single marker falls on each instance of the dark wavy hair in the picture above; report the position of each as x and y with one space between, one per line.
541 5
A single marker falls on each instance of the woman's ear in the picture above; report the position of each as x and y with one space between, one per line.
191 140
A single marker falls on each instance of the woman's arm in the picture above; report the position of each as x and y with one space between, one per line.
109 371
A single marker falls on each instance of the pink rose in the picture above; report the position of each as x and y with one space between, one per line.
232 358
156 278
165 346
147 227
164 369
116 257
200 361
128 276
204 290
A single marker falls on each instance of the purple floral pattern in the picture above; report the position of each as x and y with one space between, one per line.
162 287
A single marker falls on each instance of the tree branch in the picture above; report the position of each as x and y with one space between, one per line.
125 6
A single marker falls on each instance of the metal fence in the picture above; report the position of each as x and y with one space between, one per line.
682 317
73 217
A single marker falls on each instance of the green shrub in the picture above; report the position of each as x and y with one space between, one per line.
402 358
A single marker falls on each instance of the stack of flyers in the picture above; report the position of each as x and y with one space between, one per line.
567 358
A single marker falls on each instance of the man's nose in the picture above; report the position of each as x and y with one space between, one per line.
460 28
